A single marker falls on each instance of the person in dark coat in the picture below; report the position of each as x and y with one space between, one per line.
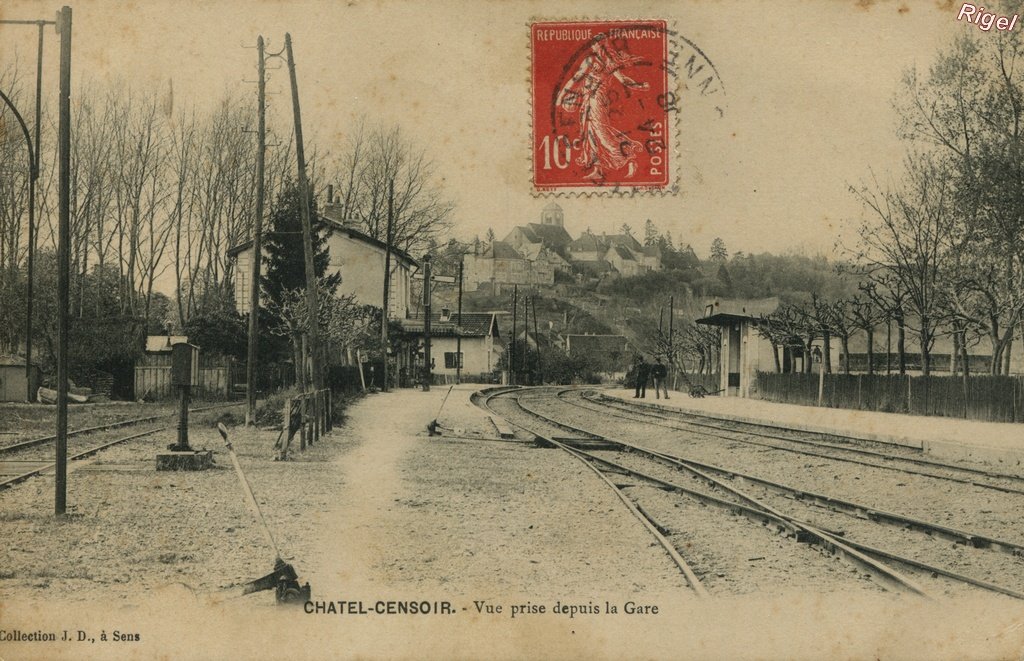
642 372
660 374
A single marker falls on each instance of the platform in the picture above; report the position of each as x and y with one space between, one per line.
996 443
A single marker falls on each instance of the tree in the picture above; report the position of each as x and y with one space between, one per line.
375 159
866 314
651 236
718 251
626 230
283 283
969 110
906 241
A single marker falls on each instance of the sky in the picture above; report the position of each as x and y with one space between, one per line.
808 88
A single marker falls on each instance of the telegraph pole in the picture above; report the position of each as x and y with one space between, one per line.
33 149
671 347
427 374
458 328
512 350
526 337
536 337
33 177
307 229
387 280
257 239
63 257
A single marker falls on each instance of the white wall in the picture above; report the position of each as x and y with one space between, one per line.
362 274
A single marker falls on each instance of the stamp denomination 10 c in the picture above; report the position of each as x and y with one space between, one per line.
601 104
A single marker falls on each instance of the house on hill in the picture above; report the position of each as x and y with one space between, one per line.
624 261
622 252
549 233
358 256
502 265
587 248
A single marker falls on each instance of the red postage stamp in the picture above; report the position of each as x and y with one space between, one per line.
601 103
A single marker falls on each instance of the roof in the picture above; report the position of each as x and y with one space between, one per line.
624 252
586 243
474 324
161 343
502 250
652 251
553 207
352 232
623 240
594 344
553 234
725 311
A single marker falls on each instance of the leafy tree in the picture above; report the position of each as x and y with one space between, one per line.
284 265
284 280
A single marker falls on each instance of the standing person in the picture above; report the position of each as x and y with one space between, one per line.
642 372
660 374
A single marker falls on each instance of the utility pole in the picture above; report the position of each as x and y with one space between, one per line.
387 280
307 229
526 338
536 338
33 177
512 350
671 346
63 258
427 374
458 328
257 239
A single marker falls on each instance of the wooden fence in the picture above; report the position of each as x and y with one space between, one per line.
982 397
307 415
153 380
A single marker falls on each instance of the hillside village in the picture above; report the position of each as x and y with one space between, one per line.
536 254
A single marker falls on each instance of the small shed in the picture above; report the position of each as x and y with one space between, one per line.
15 384
743 351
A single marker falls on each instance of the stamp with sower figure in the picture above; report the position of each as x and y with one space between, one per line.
601 103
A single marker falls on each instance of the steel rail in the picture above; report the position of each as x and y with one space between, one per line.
803 532
81 455
608 407
483 398
883 455
22 445
978 541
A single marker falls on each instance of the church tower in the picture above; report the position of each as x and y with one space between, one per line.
552 215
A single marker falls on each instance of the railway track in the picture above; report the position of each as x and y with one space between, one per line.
697 523
824 521
926 495
21 461
866 453
23 445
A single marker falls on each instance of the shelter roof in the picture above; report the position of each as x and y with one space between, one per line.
726 311
473 324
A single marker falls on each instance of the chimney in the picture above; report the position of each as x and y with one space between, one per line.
330 193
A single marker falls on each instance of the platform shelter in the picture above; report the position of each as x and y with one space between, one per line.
743 352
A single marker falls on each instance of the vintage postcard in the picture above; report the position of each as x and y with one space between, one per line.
511 329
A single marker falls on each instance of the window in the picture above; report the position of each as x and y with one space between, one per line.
449 360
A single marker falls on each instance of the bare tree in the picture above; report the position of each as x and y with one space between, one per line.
907 240
371 160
